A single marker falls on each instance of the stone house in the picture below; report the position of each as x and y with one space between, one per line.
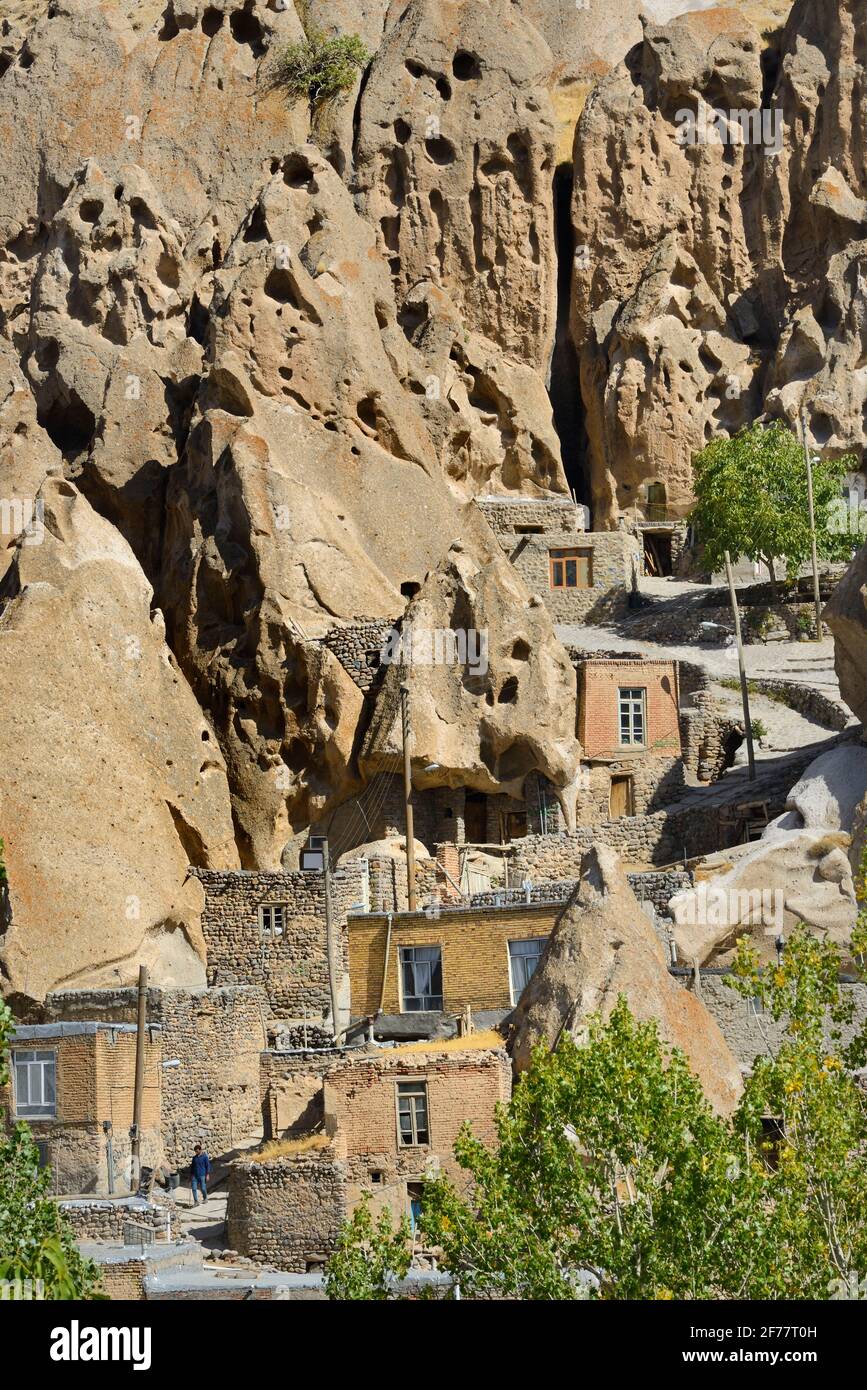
269 929
580 575
388 1120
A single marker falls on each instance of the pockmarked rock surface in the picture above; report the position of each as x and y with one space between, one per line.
603 946
487 714
111 781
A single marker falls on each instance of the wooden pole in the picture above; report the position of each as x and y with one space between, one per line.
329 943
407 791
745 694
809 462
135 1133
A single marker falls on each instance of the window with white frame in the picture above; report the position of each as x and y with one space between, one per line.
412 1121
421 978
524 956
35 1084
272 919
632 709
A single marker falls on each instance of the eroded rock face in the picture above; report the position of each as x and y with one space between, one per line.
489 714
455 157
112 782
604 946
846 615
719 266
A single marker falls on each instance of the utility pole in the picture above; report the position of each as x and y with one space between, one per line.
809 462
745 694
329 942
135 1131
407 790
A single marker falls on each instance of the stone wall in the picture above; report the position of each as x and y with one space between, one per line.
216 1036
615 555
213 1097
113 1218
509 517
287 1211
291 966
358 647
750 1035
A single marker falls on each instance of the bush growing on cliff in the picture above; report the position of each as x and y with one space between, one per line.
320 68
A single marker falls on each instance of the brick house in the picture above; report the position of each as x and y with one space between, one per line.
70 1080
442 962
386 1120
630 733
75 1073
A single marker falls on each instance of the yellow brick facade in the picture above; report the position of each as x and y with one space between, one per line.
95 1075
475 954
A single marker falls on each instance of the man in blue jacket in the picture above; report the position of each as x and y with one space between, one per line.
200 1171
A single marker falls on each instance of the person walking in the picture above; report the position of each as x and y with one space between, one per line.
200 1171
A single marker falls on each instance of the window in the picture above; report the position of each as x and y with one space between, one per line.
571 569
421 975
631 705
412 1125
35 1085
524 956
272 919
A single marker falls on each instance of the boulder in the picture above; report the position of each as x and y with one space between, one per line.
491 690
111 781
603 946
846 615
827 795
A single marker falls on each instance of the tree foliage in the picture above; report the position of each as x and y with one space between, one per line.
369 1256
751 499
36 1242
320 68
612 1177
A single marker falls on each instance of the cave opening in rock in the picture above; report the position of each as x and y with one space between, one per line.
564 387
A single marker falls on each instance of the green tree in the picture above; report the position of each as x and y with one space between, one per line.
36 1242
319 68
803 1124
612 1178
369 1256
751 499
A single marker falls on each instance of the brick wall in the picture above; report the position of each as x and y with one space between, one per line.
463 1086
598 709
475 954
95 1072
